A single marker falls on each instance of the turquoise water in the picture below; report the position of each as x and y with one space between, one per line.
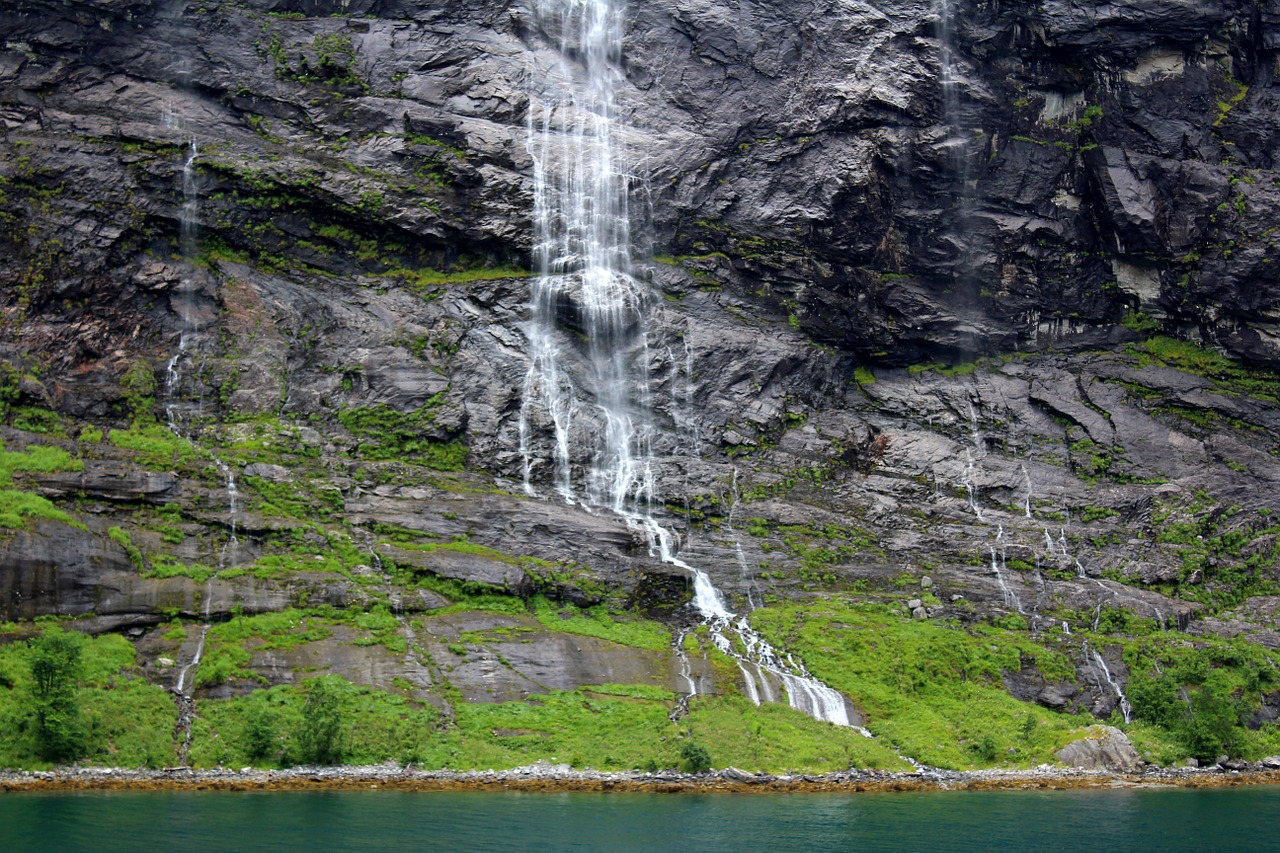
1235 820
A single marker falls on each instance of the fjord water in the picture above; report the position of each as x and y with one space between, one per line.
1245 819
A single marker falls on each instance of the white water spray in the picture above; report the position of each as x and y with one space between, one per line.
1126 710
188 236
206 609
582 253
227 559
1010 597
1026 504
586 302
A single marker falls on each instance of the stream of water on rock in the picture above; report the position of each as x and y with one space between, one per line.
1091 658
586 290
188 244
188 229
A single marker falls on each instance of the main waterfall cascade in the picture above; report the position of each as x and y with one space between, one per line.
587 302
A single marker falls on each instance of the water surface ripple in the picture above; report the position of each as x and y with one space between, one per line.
1177 819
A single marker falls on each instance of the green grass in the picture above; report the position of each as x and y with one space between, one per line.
300 500
597 621
261 729
37 419
597 728
932 690
127 722
156 447
1231 375
265 438
387 433
775 738
609 727
573 727
36 458
462 546
165 566
229 645
17 507
418 279
469 595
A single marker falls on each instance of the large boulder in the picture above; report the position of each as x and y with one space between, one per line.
1106 748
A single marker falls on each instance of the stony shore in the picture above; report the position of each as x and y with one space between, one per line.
561 778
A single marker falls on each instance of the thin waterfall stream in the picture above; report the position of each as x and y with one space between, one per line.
188 231
189 235
587 303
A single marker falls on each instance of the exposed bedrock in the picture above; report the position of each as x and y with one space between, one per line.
904 339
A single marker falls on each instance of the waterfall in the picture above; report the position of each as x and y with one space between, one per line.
947 64
582 253
1026 504
189 217
958 147
949 83
188 239
227 559
587 387
1126 710
204 635
966 482
686 671
744 571
1010 597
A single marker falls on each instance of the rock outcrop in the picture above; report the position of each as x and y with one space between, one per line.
1107 750
989 299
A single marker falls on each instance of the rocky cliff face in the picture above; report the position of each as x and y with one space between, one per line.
964 307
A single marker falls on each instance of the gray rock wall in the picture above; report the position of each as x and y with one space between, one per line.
816 214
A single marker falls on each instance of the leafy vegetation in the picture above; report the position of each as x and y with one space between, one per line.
156 447
598 622
269 727
66 696
932 690
695 757
1197 697
320 733
55 667
17 506
388 433
1225 554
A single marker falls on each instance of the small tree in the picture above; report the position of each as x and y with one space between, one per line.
323 720
260 729
1211 726
55 666
1156 699
695 756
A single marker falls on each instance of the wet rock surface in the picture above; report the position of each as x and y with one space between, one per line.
896 325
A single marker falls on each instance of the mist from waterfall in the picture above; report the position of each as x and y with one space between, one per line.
586 298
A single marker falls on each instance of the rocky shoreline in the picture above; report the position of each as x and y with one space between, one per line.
562 778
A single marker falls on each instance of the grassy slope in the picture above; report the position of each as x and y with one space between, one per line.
930 690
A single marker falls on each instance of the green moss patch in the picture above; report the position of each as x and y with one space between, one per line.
932 690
